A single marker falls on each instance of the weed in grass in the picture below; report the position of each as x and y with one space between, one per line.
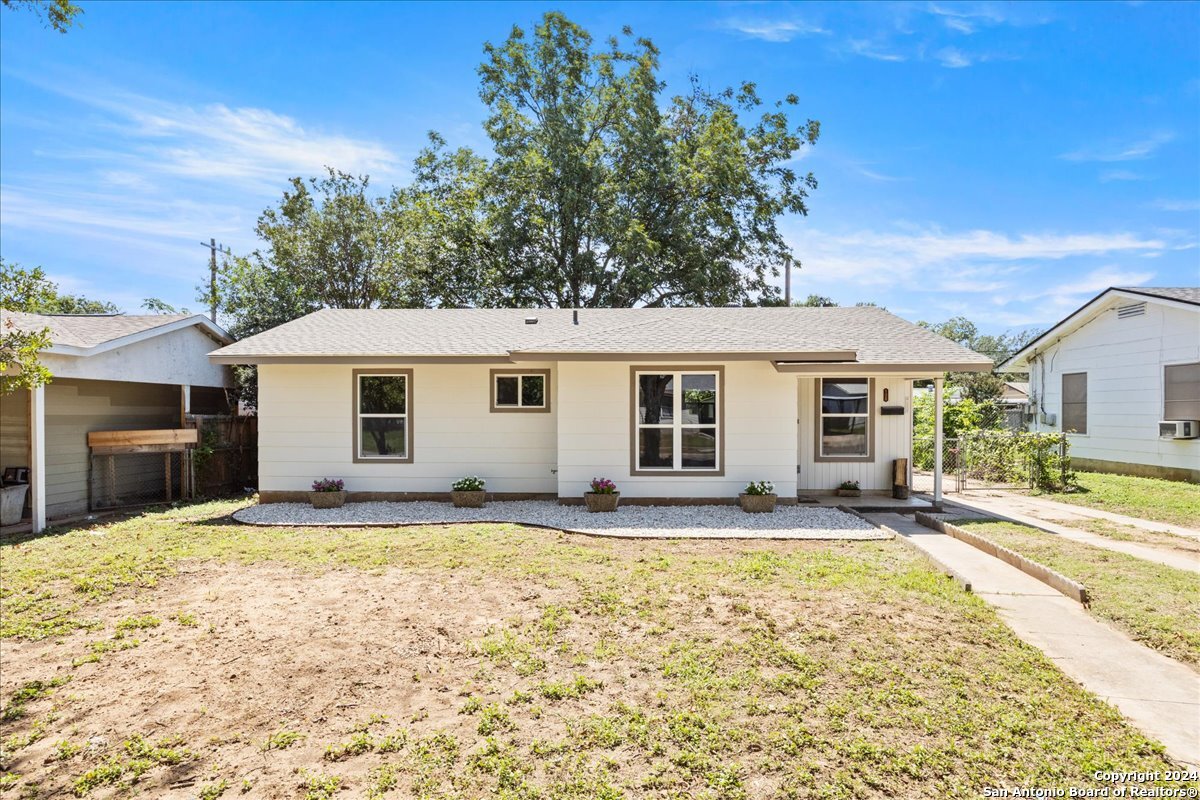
505 764
104 775
494 718
186 619
393 742
138 623
561 690
211 791
36 732
319 786
359 743
281 740
27 693
382 779
508 649
473 705
66 750
96 650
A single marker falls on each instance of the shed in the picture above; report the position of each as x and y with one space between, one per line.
111 372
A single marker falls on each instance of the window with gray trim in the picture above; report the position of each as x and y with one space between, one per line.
1074 402
382 419
518 391
678 421
1181 391
845 418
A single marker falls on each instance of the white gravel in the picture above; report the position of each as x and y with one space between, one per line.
650 522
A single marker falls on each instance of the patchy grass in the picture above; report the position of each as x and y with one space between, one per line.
1132 533
1156 604
524 663
1173 502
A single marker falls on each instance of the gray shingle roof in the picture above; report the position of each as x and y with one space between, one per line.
874 334
1185 294
87 330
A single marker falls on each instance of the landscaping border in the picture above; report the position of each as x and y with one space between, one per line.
1056 580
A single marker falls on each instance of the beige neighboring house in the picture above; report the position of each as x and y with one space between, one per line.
111 372
671 403
1121 377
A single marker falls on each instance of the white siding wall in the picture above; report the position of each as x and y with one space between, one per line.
179 357
1124 361
594 432
306 423
893 439
73 409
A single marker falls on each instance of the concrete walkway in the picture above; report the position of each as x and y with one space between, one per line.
1029 511
1157 694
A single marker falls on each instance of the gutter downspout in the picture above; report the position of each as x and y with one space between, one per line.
937 443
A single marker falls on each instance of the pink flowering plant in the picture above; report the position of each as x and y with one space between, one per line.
603 486
329 485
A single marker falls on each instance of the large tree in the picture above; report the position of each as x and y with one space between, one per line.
981 386
58 15
603 191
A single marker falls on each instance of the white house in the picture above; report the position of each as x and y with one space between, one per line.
680 404
1111 372
111 373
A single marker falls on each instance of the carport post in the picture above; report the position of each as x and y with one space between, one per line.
937 442
37 457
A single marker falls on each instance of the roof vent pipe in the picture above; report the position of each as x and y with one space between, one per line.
531 320
575 316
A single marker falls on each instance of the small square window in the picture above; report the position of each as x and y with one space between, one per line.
512 391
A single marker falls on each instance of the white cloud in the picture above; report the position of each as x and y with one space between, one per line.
1111 175
1177 205
866 49
1135 150
771 30
953 58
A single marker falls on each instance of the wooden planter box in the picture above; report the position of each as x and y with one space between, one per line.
327 499
597 502
757 503
467 499
849 492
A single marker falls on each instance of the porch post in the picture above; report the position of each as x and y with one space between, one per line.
37 457
937 442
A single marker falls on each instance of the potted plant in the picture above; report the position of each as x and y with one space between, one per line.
849 489
468 492
758 497
328 493
603 496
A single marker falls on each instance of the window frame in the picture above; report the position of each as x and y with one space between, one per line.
356 417
1063 403
495 374
1166 414
819 415
677 425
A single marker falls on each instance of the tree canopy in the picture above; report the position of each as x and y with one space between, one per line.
981 386
58 15
599 190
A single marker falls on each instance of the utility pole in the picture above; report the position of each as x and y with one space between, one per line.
213 247
787 283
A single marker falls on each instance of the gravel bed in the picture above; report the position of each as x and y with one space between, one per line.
650 522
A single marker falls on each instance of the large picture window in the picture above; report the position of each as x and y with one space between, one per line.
844 419
520 391
677 421
382 416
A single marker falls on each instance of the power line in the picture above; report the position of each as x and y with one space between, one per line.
213 247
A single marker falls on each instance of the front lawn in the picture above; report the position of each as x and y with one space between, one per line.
176 655
1173 502
1156 604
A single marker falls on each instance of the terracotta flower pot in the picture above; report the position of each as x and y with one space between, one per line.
849 492
601 502
757 503
327 499
467 499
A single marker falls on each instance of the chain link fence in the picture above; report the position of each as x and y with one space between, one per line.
118 480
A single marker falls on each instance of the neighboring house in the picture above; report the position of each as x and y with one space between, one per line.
671 403
1111 372
111 373
1014 399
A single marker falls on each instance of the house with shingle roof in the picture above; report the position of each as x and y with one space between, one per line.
111 372
678 404
1121 377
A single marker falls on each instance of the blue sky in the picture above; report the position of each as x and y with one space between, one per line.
1003 161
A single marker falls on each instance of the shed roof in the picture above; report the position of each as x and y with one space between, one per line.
83 334
858 334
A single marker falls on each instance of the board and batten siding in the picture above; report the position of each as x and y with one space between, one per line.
75 408
306 423
892 439
1123 359
595 439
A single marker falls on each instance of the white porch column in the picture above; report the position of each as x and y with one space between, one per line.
937 441
37 457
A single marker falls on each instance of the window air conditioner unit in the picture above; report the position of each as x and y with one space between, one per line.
1179 429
